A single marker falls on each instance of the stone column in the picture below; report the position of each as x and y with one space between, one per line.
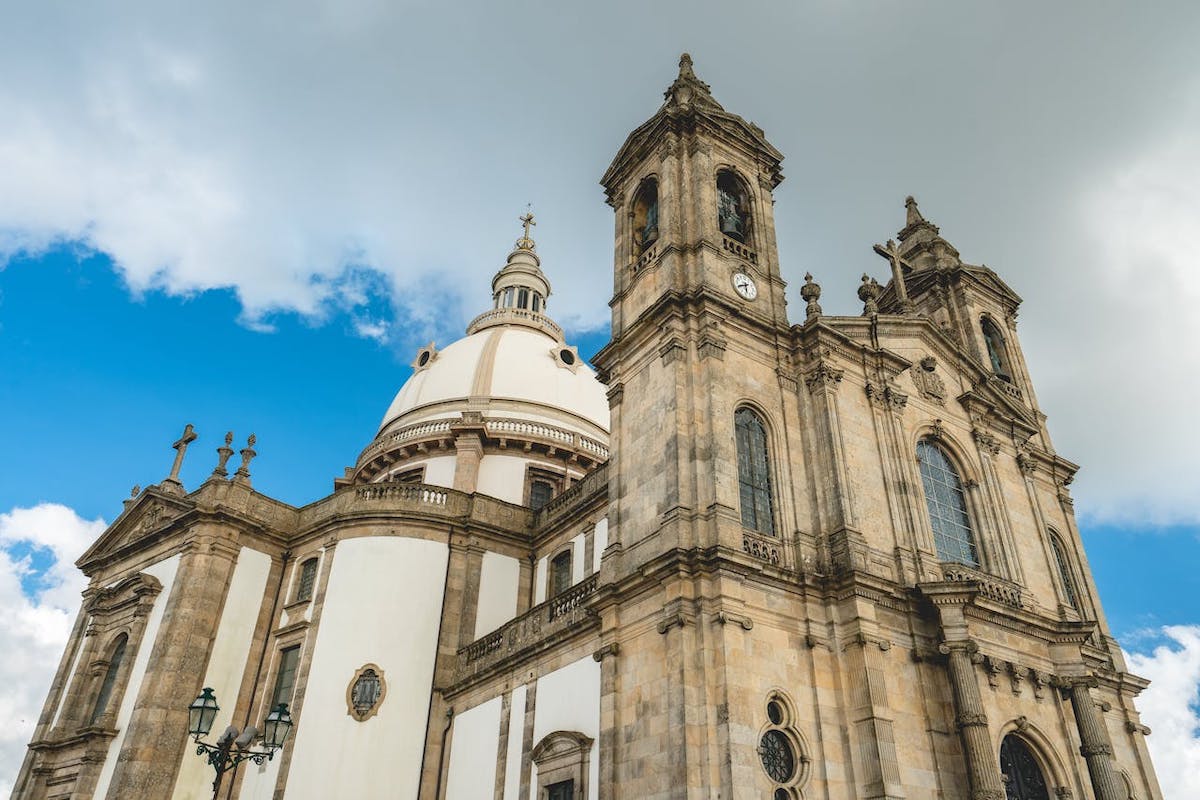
157 736
983 765
1094 746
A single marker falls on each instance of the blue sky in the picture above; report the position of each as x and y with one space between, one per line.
102 382
249 218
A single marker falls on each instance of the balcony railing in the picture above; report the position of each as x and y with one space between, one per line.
547 621
990 586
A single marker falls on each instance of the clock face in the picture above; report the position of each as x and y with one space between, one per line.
743 284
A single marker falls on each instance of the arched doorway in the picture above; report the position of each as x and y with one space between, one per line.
1023 779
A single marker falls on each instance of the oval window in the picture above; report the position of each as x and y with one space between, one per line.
567 356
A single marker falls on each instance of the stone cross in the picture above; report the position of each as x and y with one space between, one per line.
892 253
172 483
527 220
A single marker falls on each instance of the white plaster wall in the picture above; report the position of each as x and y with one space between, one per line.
440 471
578 571
473 749
70 675
383 605
227 663
498 582
165 572
516 744
539 581
568 699
502 477
599 542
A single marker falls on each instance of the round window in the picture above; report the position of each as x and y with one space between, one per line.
567 356
423 359
777 757
775 713
782 794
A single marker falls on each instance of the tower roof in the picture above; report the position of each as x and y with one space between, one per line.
689 109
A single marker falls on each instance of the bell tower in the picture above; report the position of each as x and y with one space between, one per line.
699 325
699 373
692 192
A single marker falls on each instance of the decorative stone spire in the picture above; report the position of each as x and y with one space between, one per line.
242 476
921 242
688 90
869 293
223 454
526 241
172 483
811 292
520 289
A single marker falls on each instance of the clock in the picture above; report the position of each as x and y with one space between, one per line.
744 285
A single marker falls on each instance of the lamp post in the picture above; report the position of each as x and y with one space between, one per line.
233 748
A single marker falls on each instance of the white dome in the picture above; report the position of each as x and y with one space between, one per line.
504 370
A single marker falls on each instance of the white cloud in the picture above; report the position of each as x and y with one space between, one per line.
1171 707
38 546
317 156
1130 385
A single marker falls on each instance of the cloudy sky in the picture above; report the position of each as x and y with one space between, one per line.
249 218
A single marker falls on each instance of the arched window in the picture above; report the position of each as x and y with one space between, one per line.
754 472
997 353
645 216
1064 570
733 207
1023 779
560 573
110 677
947 506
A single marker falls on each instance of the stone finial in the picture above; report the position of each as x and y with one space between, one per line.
135 491
869 293
242 476
811 292
689 91
223 454
685 66
912 213
172 483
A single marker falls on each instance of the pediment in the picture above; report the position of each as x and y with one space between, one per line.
986 399
150 513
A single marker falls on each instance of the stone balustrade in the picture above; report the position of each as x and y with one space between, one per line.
545 623
499 316
595 481
990 586
740 250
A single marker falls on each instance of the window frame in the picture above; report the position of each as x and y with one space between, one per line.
744 203
747 481
996 345
959 488
283 653
565 555
304 575
1066 575
118 651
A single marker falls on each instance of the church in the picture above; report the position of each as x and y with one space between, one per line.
745 556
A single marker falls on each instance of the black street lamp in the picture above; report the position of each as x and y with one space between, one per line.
231 748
